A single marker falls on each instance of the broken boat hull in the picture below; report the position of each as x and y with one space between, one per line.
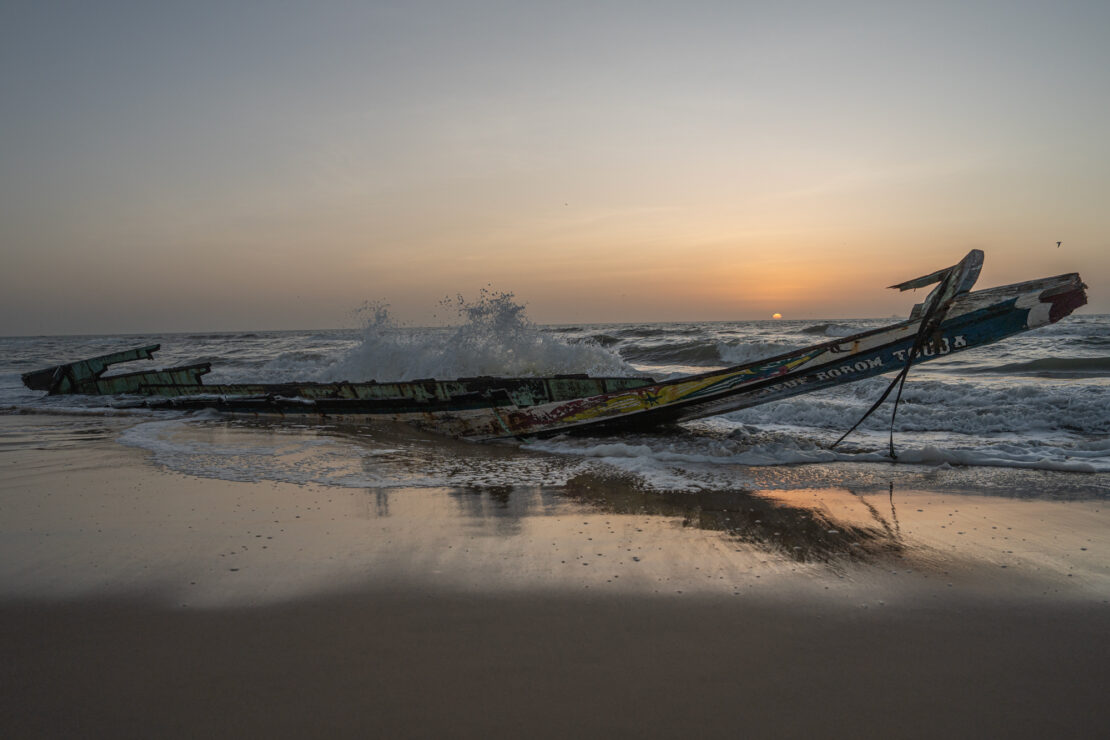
975 320
493 408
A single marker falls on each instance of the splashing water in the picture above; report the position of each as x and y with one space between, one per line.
495 338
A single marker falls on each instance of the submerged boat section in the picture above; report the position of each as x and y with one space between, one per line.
87 376
186 389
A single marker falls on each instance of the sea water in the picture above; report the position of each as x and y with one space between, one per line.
1028 415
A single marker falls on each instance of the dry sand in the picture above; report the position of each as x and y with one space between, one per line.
135 601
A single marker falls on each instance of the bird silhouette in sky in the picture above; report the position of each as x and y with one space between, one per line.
1058 244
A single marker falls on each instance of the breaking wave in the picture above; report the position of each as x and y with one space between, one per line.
928 406
740 353
495 337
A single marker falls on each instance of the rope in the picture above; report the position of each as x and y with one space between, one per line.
929 323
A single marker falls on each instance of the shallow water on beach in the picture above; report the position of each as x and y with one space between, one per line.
84 515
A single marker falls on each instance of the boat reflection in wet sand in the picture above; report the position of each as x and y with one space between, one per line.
951 319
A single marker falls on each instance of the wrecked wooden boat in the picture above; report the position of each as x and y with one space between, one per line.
951 319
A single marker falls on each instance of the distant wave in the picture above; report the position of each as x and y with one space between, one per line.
637 332
1054 367
741 353
601 340
706 352
830 330
702 352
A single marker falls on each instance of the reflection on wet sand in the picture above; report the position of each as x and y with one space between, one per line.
833 526
464 513
1046 547
803 532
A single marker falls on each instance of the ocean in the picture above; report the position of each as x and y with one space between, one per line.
1027 416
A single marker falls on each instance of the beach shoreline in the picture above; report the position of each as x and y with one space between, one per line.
137 600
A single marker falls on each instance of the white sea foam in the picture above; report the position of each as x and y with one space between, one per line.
682 463
698 463
495 338
213 450
176 444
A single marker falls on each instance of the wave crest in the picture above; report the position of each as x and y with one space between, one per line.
495 338
830 330
1055 367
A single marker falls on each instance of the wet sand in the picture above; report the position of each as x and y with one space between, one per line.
139 601
405 664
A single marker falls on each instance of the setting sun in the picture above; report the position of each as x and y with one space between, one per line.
776 316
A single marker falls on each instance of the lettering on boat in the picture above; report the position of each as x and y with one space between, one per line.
933 349
855 367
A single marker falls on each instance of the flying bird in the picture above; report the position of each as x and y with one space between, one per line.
1058 244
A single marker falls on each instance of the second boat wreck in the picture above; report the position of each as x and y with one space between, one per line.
951 319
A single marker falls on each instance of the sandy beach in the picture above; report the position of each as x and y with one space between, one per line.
554 370
139 601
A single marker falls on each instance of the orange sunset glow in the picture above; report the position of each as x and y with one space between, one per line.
603 164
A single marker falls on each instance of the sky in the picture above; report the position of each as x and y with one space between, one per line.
206 166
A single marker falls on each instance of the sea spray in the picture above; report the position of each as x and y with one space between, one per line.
494 337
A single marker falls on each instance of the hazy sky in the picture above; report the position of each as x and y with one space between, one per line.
254 165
